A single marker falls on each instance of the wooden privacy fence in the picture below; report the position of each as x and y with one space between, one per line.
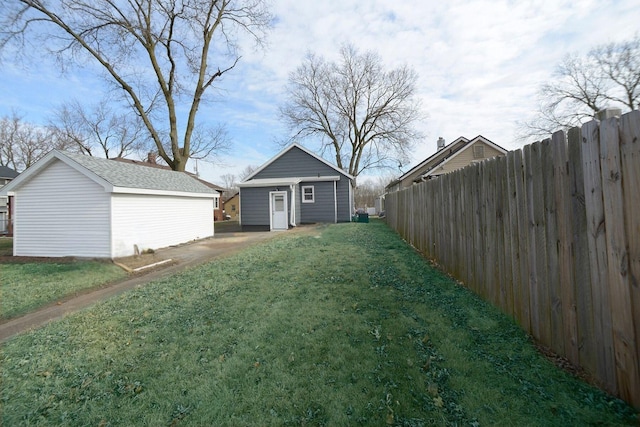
551 235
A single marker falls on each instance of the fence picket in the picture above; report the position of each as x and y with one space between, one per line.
630 159
564 236
512 238
624 343
594 207
523 237
554 297
587 343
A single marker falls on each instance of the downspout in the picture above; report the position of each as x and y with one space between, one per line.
292 220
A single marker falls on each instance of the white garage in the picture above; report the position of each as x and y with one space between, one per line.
69 204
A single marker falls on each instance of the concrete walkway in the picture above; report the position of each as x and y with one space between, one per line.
181 257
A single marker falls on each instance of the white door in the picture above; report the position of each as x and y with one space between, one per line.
278 206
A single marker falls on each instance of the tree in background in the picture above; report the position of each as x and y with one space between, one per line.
362 114
22 143
608 76
248 170
159 54
370 190
99 130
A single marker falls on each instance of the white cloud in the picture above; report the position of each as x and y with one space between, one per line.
479 62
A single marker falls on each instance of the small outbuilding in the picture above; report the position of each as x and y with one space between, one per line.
6 176
69 204
295 187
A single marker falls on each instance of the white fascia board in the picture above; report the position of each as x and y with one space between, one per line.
128 190
319 178
267 182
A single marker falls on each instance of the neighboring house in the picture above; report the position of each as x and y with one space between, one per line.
6 175
232 207
295 187
218 207
69 204
460 153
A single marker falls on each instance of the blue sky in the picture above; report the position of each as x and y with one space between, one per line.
479 63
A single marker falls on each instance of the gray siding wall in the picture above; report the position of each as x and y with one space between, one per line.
254 206
345 208
322 210
293 163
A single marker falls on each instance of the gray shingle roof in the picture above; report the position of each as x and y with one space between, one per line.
130 175
7 172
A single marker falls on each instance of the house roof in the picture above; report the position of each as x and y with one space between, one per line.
287 149
7 172
455 153
120 177
444 155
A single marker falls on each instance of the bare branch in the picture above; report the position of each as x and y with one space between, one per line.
157 53
609 76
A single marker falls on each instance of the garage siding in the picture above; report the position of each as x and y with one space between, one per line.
153 222
61 212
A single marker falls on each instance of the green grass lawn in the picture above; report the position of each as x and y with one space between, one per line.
343 326
26 286
6 246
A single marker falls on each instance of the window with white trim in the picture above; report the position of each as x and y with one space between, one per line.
308 195
216 203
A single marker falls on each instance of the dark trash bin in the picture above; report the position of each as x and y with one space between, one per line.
363 217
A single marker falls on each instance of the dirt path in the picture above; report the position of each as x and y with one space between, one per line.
167 261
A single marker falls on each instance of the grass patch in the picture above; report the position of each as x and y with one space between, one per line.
27 286
6 246
345 327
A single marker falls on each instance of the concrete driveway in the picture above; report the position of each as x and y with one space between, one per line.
144 268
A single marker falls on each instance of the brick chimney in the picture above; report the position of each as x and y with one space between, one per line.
151 158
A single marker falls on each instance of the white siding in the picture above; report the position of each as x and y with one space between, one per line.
153 222
61 212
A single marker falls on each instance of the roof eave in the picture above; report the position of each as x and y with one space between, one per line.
147 191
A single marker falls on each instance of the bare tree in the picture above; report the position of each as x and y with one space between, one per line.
228 180
362 114
22 143
248 170
368 191
609 76
156 53
99 130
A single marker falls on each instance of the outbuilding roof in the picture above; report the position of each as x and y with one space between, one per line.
7 172
120 177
